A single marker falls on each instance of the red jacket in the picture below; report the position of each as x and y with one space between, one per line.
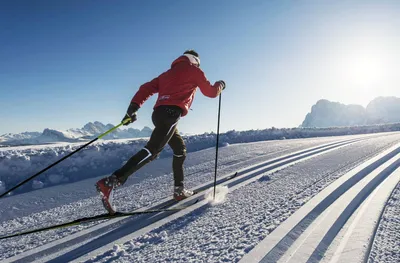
177 86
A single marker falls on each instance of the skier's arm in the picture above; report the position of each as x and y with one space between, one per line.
205 86
145 91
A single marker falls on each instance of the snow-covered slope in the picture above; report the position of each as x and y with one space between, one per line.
275 180
104 157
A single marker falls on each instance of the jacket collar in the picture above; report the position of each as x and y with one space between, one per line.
180 60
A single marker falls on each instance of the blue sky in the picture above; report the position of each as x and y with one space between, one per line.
65 63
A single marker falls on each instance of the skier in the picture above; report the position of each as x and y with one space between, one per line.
176 89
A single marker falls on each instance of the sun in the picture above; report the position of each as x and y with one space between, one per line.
363 68
361 71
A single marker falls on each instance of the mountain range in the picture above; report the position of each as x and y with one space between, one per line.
325 113
89 131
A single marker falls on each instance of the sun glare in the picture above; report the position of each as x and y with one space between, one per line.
362 69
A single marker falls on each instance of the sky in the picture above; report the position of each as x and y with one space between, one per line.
66 63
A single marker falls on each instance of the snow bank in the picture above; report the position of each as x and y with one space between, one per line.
18 163
36 184
104 157
2 187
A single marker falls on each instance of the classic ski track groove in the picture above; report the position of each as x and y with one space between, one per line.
368 256
307 235
144 223
358 232
244 177
359 161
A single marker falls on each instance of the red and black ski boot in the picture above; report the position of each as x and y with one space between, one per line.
105 188
181 193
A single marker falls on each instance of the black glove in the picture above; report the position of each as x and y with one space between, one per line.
130 115
222 83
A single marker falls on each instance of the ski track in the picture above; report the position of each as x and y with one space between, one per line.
60 204
222 233
386 245
226 232
202 162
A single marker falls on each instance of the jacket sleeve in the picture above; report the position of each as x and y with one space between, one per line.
145 91
205 86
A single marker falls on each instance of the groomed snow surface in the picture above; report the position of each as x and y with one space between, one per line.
256 203
386 246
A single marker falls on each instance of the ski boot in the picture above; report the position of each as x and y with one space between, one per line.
105 188
181 193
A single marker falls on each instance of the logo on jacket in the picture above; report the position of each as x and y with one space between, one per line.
164 97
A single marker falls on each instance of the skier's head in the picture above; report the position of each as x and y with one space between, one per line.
193 56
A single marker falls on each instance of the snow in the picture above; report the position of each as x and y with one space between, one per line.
18 163
314 227
2 187
386 247
211 233
349 245
249 210
219 197
36 184
20 136
104 157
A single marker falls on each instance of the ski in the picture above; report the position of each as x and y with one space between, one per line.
101 217
107 216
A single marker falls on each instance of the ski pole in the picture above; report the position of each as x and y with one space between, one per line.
62 159
216 151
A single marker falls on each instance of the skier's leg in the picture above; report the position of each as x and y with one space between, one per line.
165 121
165 124
178 147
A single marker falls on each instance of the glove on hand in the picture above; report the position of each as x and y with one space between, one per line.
130 115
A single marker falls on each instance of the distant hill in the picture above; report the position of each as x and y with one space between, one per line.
19 136
89 131
383 110
325 113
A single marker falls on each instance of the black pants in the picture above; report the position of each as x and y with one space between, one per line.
165 120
